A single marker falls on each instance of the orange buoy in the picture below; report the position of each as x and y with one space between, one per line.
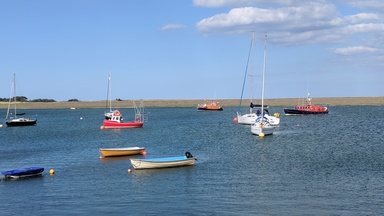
101 157
235 119
102 127
129 170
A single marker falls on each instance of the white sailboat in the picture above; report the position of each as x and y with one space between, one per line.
250 118
13 118
262 125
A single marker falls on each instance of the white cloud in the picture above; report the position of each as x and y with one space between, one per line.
310 22
352 24
363 17
364 28
307 17
377 5
354 50
172 27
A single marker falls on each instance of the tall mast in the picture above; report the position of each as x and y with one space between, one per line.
109 89
246 70
14 91
252 68
262 90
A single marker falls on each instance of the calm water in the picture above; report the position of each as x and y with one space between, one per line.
313 165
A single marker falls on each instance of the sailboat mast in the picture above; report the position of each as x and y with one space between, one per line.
10 96
264 68
14 92
252 69
109 89
246 71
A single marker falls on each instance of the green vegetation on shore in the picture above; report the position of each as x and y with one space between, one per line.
288 102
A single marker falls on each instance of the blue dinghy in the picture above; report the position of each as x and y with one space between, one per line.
26 172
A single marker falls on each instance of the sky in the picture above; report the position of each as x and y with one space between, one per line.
190 49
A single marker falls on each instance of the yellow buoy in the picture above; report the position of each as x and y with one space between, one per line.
261 134
52 171
1 125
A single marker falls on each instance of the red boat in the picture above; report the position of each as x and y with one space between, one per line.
116 121
306 109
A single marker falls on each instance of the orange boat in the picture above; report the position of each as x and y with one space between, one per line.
115 152
212 106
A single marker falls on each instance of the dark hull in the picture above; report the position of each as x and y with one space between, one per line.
205 109
303 112
20 123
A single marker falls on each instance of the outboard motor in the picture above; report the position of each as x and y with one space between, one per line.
188 155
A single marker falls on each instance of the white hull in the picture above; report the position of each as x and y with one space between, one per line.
23 176
156 164
247 119
250 119
259 128
273 121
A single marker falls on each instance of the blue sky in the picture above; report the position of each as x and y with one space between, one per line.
190 49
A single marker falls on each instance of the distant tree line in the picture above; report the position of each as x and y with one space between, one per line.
43 100
25 99
18 98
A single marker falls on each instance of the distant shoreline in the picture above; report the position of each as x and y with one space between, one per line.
288 102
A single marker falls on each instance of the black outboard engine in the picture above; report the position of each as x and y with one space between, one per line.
188 155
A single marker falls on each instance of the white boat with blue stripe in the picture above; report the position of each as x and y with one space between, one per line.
156 163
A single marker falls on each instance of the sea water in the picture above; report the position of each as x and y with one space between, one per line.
312 165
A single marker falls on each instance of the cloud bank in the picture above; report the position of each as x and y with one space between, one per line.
355 24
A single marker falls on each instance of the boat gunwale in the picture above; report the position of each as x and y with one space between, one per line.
163 160
123 149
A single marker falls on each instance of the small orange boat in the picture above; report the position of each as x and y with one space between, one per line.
115 152
212 106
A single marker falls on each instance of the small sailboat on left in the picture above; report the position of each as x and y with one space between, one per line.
13 118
